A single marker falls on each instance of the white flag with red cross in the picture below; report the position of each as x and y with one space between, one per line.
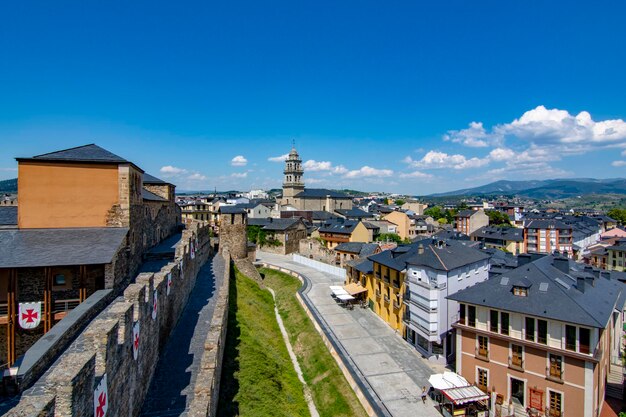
155 305
192 249
136 340
101 398
182 265
169 283
29 315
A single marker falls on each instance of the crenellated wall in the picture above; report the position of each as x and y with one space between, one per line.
105 346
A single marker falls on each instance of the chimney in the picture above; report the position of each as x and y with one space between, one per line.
523 259
420 249
605 274
590 281
562 264
580 284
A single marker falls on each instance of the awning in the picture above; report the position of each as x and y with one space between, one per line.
465 395
345 297
447 380
456 388
354 288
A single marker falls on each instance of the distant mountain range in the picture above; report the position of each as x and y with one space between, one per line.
8 186
546 189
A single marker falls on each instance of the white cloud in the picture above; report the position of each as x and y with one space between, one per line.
436 159
475 136
618 163
316 181
239 174
239 161
416 174
8 169
542 125
196 176
170 170
501 154
281 158
313 165
624 152
367 171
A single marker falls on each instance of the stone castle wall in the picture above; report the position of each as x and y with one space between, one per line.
105 346
313 249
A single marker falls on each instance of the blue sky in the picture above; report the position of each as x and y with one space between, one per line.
402 97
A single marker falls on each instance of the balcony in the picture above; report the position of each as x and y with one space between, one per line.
377 293
396 305
377 274
396 284
386 299
482 354
386 279
406 317
406 297
516 363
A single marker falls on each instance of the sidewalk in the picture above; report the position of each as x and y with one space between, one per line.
393 370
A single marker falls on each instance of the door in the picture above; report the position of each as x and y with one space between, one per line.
517 391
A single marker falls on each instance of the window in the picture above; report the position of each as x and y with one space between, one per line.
483 379
517 354
584 340
542 331
530 329
483 346
493 321
471 316
556 366
556 401
570 337
59 279
520 291
462 313
504 326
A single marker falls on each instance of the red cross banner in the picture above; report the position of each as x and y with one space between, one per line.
155 305
182 264
136 340
29 315
192 250
101 398
169 283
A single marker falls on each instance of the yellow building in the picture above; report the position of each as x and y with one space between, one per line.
385 289
406 225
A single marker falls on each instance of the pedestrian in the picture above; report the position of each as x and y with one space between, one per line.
424 395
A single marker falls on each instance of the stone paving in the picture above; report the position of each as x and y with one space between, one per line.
394 370
171 389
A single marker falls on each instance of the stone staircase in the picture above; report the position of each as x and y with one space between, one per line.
615 382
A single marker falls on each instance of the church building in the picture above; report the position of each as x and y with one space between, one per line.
296 197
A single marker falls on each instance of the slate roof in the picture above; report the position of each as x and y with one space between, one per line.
346 227
561 300
231 210
8 215
272 224
365 267
445 257
546 224
360 248
502 233
85 153
150 196
466 213
354 213
321 193
50 247
149 179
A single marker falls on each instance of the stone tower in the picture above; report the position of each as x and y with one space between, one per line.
292 184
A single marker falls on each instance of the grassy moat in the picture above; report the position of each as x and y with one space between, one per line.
258 378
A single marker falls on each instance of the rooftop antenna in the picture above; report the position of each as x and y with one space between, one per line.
293 143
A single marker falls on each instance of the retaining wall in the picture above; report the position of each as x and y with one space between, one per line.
320 266
105 347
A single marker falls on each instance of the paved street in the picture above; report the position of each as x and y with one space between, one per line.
171 390
390 366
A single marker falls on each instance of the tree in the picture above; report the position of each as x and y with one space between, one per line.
389 237
618 214
442 220
498 218
400 202
435 212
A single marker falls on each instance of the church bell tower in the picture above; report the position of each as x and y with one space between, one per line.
292 183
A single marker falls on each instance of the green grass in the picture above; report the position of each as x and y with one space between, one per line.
258 378
331 392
